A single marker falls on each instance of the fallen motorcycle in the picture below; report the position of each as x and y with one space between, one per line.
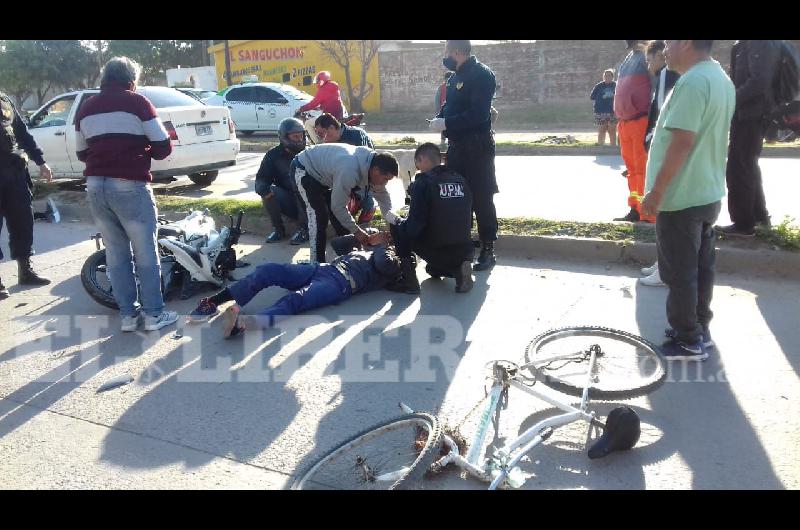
193 256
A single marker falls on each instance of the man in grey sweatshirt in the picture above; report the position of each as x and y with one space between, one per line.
340 169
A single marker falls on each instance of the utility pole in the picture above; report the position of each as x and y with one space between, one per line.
99 45
100 53
227 65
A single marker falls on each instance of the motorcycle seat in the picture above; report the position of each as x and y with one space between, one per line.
190 250
169 231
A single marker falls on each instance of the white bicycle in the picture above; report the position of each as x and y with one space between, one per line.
587 362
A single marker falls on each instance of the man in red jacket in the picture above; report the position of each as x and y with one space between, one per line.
328 97
631 106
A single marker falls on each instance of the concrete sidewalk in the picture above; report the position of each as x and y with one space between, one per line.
207 413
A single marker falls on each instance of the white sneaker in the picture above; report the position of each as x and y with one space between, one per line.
164 319
654 280
130 323
647 271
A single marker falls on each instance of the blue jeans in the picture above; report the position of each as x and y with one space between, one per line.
314 286
125 211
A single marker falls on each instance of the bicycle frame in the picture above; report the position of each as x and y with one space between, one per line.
497 468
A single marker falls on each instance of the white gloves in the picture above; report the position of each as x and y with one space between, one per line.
391 218
437 125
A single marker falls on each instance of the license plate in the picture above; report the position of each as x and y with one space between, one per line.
203 130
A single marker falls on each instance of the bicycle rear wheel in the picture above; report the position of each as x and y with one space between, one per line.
390 455
627 365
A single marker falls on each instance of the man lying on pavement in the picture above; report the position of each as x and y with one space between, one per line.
314 285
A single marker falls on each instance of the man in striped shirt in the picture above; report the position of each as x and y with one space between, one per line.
118 133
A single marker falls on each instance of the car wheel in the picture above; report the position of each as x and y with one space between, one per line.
204 178
246 133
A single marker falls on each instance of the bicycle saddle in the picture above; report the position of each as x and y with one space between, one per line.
621 433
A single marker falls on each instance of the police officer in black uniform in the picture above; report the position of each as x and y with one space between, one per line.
438 225
466 121
16 145
275 185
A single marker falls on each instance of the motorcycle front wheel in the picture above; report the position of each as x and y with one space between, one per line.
95 280
94 277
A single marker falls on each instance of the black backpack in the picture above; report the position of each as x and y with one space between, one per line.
786 85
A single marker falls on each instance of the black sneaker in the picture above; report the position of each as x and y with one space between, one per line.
735 231
632 217
299 238
708 342
275 236
204 310
3 291
680 351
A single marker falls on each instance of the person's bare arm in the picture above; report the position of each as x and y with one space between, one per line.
677 153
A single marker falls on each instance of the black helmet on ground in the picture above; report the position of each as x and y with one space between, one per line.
289 126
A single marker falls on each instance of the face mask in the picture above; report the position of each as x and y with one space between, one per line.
297 147
450 63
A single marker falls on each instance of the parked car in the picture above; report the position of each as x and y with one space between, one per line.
197 93
203 137
260 106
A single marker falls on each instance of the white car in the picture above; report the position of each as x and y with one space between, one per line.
197 93
203 137
260 106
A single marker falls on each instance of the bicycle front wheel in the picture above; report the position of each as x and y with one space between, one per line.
626 365
390 455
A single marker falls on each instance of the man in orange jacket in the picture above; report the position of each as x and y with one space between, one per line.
631 106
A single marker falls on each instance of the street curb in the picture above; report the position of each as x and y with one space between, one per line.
764 262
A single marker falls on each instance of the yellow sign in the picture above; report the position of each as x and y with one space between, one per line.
294 63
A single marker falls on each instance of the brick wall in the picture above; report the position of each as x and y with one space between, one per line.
547 71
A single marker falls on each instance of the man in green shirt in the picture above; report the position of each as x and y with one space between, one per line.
684 186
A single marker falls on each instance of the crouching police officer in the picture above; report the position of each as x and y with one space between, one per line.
16 145
438 225
275 185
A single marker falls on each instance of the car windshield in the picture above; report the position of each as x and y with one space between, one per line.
162 97
295 93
